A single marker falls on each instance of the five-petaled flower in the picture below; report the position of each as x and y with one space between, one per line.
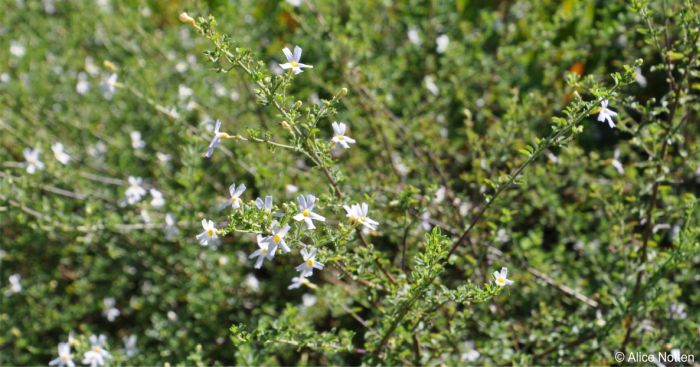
606 114
215 141
306 205
502 277
277 237
209 236
293 60
357 213
307 267
97 354
299 281
236 192
33 162
65 358
339 135
264 252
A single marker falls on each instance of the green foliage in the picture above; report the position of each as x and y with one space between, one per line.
477 148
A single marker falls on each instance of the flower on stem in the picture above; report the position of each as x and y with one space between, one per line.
135 192
157 201
264 252
236 193
606 114
97 354
339 135
33 161
264 205
502 277
60 154
306 205
357 213
307 267
65 358
215 141
277 237
301 280
293 60
209 236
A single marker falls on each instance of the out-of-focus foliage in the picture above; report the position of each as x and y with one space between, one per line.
477 148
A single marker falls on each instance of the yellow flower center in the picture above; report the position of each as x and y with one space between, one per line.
277 238
96 349
65 358
310 262
306 212
235 199
210 232
501 280
340 137
294 64
264 250
362 219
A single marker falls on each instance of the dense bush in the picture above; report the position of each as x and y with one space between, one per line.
474 139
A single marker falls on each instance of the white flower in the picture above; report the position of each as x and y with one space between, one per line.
172 316
109 311
82 86
215 141
157 201
130 349
183 92
617 164
33 162
17 49
291 189
299 281
65 358
306 205
236 193
264 205
293 60
307 267
209 236
469 353
97 354
639 78
59 153
294 2
431 86
264 252
502 277
357 213
136 141
15 285
277 237
171 231
606 114
413 36
339 135
108 85
442 42
135 192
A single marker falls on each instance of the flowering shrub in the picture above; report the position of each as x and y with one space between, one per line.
308 182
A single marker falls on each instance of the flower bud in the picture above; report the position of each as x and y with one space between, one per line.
185 18
297 105
343 91
109 65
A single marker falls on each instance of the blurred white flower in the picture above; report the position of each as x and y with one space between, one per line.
236 193
83 85
184 92
299 281
15 285
339 135
293 60
33 161
108 85
215 141
606 114
171 230
135 192
65 358
639 78
136 141
357 213
442 42
294 2
209 236
307 267
616 162
130 349
414 36
108 309
469 352
97 150
59 153
252 282
17 49
308 300
677 311
264 205
97 354
502 277
306 205
49 7
291 189
430 85
264 252
157 201
277 237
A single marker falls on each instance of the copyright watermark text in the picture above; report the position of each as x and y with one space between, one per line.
658 357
